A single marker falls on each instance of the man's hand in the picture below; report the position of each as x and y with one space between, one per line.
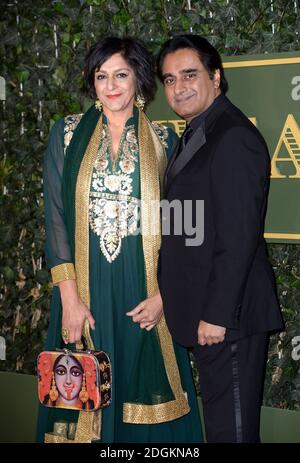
148 312
210 334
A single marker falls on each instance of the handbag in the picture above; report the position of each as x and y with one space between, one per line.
76 380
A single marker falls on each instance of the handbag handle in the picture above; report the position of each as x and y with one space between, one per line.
86 342
86 339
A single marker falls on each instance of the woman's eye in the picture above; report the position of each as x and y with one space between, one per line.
121 75
75 372
60 371
100 77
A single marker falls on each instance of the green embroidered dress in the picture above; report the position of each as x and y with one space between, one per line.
117 283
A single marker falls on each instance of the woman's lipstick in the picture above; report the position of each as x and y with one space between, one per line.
113 97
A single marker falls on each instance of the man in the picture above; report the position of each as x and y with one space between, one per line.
219 297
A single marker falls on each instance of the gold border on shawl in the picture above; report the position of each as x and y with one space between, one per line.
87 426
54 439
154 414
152 166
82 214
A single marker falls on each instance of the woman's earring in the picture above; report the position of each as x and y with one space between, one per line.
83 395
140 102
53 394
98 105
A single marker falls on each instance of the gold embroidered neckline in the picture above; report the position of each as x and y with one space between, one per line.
113 208
114 158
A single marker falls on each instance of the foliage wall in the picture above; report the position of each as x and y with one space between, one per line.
42 47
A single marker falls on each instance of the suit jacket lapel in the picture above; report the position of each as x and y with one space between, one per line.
172 158
194 144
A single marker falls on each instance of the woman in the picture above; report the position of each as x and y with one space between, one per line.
102 172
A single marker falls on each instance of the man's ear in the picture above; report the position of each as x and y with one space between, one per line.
217 78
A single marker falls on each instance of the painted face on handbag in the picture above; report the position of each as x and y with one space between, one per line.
68 374
74 380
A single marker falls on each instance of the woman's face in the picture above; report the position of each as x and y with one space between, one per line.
68 378
115 84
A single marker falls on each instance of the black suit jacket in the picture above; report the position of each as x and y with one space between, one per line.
227 280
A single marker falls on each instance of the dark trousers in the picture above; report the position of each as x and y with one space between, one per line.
231 385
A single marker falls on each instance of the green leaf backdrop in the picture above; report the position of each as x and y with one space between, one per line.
42 48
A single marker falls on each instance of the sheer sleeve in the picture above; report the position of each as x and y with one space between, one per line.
58 253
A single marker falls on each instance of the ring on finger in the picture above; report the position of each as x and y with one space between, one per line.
65 333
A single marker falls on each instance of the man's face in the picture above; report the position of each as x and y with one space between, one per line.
188 86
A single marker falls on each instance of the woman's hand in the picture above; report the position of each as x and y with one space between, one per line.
74 312
148 312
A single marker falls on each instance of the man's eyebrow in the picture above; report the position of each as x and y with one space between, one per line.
183 71
168 74
188 71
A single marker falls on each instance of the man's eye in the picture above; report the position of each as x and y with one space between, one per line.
168 81
190 76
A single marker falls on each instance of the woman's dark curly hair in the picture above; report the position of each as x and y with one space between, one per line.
135 54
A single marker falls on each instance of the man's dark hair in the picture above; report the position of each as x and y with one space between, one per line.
135 54
208 55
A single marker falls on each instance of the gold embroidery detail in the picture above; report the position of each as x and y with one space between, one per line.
60 428
71 123
63 272
87 429
152 414
113 217
113 213
161 131
51 438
